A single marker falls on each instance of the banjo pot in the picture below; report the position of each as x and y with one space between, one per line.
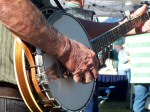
35 70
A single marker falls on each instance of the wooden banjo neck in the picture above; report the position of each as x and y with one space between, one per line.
112 35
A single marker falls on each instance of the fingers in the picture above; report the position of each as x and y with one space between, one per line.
87 71
94 71
87 77
81 62
77 78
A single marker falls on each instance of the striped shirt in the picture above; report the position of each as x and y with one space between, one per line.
139 47
6 56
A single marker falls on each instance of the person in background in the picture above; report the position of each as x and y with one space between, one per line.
18 16
117 45
76 8
139 47
124 61
124 66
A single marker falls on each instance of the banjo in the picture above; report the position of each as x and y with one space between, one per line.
35 69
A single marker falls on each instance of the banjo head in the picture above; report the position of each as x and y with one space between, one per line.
67 93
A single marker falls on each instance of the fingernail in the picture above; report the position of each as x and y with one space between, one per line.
89 81
77 79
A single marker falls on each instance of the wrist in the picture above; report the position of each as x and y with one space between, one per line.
56 44
65 50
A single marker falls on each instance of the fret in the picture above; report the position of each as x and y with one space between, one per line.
98 46
142 19
129 25
97 49
133 23
115 34
101 43
138 20
104 41
118 30
95 45
107 38
121 29
112 35
126 27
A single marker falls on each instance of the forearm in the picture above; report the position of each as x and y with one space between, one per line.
25 20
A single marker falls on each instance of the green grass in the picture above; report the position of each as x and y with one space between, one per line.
116 106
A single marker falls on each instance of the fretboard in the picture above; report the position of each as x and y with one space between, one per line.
112 35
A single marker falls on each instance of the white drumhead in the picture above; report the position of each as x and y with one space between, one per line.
69 94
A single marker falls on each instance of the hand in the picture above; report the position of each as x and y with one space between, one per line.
145 27
80 61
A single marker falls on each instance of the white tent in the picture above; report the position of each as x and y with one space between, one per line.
112 8
109 8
